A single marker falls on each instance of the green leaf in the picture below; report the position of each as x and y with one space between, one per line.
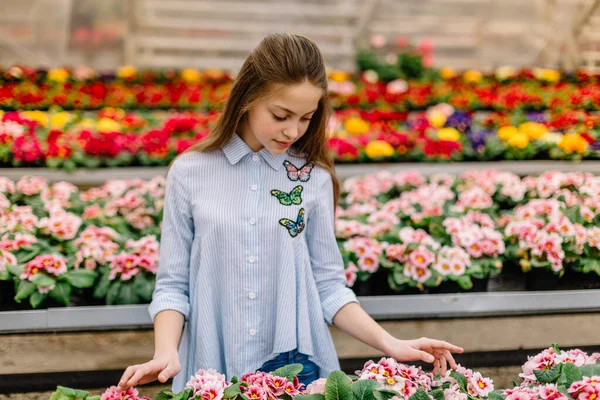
460 378
438 394
24 290
14 270
61 293
37 298
184 395
232 391
548 376
555 348
314 396
363 389
288 371
496 395
590 370
338 386
73 393
127 294
5 275
465 282
93 398
101 288
166 394
143 286
43 280
81 278
420 394
113 293
570 373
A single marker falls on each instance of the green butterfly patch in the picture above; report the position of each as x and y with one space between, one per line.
287 199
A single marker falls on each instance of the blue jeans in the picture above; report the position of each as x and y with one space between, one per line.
309 373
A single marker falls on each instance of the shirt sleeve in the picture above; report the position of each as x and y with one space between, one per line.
326 259
172 280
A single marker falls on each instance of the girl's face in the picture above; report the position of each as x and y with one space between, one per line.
282 119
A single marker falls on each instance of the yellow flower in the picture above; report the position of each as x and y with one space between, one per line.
126 71
59 75
437 118
504 73
546 74
338 76
450 134
506 132
519 140
59 120
39 116
108 125
379 148
1 114
533 130
472 76
356 126
447 73
191 75
573 143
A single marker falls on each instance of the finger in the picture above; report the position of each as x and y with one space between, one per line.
443 365
167 373
441 345
144 370
450 358
436 367
423 356
129 371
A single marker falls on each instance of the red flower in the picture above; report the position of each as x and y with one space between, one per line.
440 148
26 148
343 149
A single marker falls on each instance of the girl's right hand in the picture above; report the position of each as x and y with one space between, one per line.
162 367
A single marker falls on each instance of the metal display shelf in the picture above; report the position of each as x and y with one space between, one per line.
463 305
100 175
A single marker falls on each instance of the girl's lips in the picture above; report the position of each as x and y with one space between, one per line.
283 145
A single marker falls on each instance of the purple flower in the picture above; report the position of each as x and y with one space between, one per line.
537 116
478 139
459 120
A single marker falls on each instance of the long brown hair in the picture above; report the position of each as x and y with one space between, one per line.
279 59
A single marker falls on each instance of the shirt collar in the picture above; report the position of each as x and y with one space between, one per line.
236 149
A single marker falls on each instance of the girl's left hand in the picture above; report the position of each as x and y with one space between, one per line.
428 350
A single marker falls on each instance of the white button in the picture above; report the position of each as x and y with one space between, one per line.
252 221
251 259
252 296
254 187
255 157
252 332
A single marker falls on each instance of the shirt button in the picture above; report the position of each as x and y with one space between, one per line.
251 259
255 157
252 296
252 221
254 187
252 332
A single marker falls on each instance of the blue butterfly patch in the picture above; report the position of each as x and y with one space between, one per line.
294 228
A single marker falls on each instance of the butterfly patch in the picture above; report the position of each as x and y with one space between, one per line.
287 199
301 174
294 228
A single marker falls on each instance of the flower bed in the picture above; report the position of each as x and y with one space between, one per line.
419 233
397 233
507 89
551 375
113 137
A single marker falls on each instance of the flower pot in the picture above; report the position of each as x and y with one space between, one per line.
479 285
541 279
376 285
7 293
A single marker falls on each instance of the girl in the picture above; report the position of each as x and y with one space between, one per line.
249 263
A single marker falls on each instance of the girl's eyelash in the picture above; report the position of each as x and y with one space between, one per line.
284 118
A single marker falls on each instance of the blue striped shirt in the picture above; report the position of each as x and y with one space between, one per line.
248 286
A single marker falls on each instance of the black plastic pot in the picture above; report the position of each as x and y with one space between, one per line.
479 285
541 279
376 285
